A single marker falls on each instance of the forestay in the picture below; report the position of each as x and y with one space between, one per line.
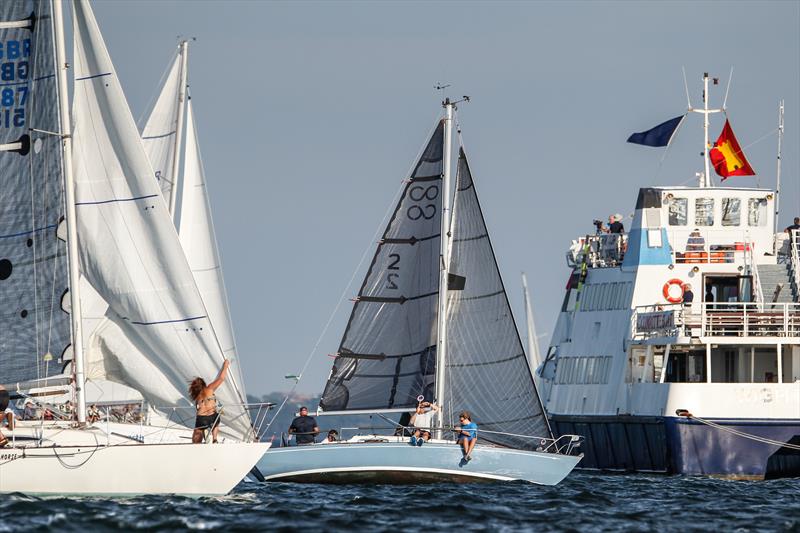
387 356
487 372
160 130
34 330
129 249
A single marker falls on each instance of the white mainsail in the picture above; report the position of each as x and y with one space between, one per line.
129 249
158 136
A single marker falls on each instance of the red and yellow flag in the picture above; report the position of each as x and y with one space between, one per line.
727 156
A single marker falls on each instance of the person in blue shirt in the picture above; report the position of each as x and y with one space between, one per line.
467 434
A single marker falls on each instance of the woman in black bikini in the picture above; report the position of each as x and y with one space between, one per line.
206 403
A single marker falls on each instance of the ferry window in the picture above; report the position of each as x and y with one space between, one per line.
581 373
731 211
678 208
757 212
704 212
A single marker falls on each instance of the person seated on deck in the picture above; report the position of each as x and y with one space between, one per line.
467 434
93 414
4 399
422 420
206 403
29 412
304 428
332 437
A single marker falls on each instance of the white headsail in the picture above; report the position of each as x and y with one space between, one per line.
199 241
534 356
161 128
129 248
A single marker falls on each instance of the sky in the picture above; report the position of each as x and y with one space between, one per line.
311 113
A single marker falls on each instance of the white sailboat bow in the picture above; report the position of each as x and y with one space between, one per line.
121 240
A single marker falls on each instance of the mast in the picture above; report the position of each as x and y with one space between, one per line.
705 177
71 219
441 349
778 169
176 160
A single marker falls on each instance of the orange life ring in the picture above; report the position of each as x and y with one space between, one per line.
669 297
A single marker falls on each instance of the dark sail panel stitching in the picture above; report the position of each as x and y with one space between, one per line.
114 200
381 356
426 178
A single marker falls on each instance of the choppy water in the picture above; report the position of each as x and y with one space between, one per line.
582 502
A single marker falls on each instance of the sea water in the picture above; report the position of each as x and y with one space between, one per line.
582 502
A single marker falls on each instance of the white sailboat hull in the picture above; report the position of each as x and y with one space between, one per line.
399 462
89 462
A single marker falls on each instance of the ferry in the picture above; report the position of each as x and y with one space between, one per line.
660 381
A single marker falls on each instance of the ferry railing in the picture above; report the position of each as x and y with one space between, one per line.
604 250
710 246
716 319
750 264
795 254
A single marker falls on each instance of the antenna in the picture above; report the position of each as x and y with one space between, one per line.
728 88
686 86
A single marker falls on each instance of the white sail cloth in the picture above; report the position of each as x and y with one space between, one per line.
199 242
129 249
160 130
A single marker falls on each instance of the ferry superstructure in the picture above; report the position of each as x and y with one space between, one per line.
659 384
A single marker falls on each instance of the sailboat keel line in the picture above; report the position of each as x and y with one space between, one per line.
513 357
94 76
114 200
401 300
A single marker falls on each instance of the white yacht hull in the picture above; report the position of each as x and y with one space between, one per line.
399 462
87 462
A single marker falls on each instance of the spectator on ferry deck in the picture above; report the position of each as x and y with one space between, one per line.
709 295
688 295
304 428
795 226
615 224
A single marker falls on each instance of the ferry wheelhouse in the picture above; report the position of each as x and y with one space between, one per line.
658 383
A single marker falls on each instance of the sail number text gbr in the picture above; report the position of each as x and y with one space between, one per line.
14 73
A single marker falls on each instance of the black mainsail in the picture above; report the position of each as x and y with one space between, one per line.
387 356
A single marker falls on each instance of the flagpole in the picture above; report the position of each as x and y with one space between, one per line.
778 169
706 176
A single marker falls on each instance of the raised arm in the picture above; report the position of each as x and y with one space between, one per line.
223 373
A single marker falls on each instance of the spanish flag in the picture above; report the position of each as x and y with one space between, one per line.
727 156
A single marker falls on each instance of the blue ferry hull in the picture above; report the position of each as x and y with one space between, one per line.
671 445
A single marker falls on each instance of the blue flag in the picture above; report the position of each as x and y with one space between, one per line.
661 135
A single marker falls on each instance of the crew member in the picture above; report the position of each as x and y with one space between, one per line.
206 402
